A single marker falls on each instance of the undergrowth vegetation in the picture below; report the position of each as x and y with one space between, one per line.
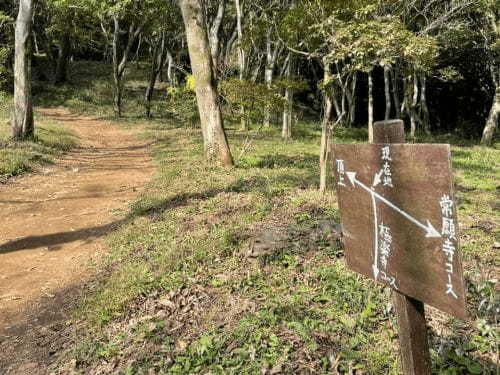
240 271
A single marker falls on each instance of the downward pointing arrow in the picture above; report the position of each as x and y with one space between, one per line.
431 232
378 178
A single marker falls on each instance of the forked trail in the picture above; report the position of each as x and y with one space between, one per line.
51 229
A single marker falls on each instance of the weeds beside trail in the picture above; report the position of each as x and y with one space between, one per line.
19 157
185 293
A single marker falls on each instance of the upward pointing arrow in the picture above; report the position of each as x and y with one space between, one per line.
431 232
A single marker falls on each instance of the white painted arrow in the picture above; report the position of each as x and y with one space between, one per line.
429 229
375 222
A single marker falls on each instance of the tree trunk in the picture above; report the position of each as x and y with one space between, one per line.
215 141
157 62
286 131
268 75
137 51
387 88
423 105
325 140
119 65
405 105
35 42
351 99
214 36
117 78
325 132
171 76
413 107
230 43
395 92
241 56
493 118
22 114
62 60
370 106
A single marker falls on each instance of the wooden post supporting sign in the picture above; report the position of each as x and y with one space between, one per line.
413 341
399 222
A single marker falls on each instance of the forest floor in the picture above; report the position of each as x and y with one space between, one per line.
53 235
240 271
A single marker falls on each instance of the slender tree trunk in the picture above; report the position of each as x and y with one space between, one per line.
351 98
62 60
387 88
215 141
157 62
171 76
214 35
423 104
325 140
406 97
325 132
268 75
119 65
256 71
370 106
241 56
117 77
395 92
267 114
230 43
137 51
493 118
22 114
336 105
286 131
413 108
35 42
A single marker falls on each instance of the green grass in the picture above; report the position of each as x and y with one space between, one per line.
50 140
182 295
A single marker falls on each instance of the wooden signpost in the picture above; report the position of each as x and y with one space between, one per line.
399 222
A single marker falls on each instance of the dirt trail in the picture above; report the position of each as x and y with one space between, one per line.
52 224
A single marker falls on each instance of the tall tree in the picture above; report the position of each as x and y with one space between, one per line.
158 51
121 55
492 38
22 114
214 34
214 137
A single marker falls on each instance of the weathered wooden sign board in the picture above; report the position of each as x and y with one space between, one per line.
399 219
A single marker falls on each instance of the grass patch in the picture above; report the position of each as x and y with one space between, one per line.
50 140
183 295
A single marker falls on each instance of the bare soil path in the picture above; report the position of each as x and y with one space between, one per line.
51 230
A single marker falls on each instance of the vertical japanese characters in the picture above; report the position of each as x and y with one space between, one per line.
448 232
384 176
384 245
